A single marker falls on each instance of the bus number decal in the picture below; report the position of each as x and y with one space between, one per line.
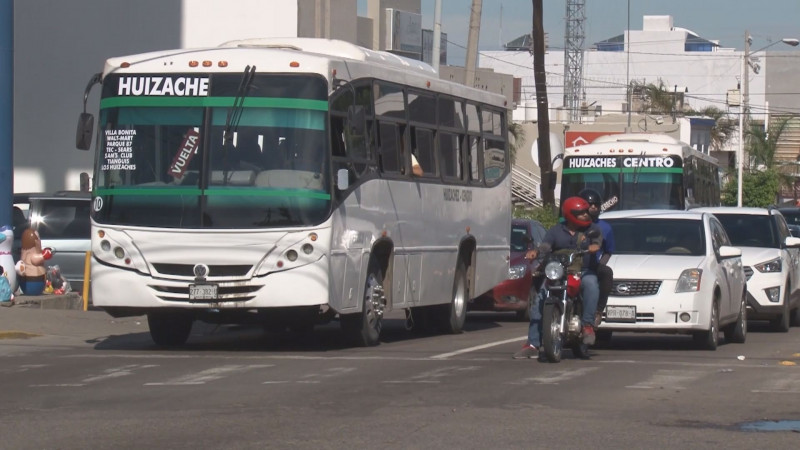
457 195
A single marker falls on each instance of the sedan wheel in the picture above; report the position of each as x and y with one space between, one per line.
710 339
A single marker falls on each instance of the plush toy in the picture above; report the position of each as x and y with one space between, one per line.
6 294
6 260
30 266
56 283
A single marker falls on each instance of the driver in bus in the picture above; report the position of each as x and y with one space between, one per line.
577 231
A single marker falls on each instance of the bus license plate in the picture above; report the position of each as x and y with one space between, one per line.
203 291
620 314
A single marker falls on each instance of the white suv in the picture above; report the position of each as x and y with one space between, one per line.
771 257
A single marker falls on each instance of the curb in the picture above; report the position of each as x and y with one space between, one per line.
71 301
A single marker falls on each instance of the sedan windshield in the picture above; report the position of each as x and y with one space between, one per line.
635 236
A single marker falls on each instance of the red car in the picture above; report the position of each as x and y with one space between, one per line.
515 293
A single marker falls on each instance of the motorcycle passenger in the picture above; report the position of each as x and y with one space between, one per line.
605 276
572 233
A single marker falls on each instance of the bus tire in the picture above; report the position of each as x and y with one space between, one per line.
454 315
364 328
169 329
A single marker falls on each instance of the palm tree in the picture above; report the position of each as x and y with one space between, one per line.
516 135
762 149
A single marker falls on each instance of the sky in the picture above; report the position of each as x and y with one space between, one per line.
725 21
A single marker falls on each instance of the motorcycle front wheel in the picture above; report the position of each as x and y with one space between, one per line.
552 339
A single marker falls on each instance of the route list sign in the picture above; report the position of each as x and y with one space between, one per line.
119 150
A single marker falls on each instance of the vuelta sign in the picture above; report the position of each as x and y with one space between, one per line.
185 154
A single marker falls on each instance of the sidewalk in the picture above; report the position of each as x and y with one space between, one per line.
41 316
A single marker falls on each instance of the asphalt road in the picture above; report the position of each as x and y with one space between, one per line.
73 379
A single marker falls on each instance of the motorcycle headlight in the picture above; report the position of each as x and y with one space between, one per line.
554 270
773 265
516 272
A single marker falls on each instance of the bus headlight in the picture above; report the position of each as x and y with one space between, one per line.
554 270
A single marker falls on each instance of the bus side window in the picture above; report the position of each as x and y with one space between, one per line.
389 134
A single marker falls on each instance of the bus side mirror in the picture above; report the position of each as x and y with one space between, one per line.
83 137
342 179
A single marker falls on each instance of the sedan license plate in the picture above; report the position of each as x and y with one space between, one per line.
620 314
202 292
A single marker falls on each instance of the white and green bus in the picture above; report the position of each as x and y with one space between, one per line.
642 171
271 181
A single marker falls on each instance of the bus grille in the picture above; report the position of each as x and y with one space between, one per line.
215 271
748 272
635 288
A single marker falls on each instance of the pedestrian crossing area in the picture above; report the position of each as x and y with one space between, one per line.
180 372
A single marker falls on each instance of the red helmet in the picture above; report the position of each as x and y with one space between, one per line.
574 206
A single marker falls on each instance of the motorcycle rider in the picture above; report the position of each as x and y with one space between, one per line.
605 276
577 231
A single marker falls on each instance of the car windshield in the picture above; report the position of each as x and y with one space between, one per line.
637 236
519 238
747 230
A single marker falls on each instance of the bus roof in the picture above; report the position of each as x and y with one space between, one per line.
637 144
321 56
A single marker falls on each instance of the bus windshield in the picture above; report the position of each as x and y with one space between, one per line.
165 161
624 187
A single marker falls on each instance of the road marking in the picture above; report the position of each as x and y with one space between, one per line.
668 379
316 378
780 386
434 376
207 375
118 372
556 377
23 368
477 347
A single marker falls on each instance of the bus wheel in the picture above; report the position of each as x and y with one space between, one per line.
453 316
364 328
169 329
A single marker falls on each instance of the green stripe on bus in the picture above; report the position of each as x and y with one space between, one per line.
624 170
214 192
204 102
260 192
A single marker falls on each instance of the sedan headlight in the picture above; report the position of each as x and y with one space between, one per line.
516 272
689 281
773 265
554 270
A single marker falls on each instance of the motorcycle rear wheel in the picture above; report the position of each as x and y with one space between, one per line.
552 339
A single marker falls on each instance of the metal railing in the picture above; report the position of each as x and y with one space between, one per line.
525 187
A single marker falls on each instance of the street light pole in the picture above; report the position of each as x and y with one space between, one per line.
742 119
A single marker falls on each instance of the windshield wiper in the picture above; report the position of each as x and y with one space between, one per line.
234 116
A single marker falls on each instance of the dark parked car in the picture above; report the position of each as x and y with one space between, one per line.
62 220
515 293
792 216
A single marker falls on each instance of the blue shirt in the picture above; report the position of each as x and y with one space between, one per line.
608 238
558 237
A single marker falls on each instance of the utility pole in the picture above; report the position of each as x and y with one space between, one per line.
743 113
437 34
472 43
540 79
6 112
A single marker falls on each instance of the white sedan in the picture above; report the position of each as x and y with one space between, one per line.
675 272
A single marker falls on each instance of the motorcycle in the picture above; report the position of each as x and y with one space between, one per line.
563 307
